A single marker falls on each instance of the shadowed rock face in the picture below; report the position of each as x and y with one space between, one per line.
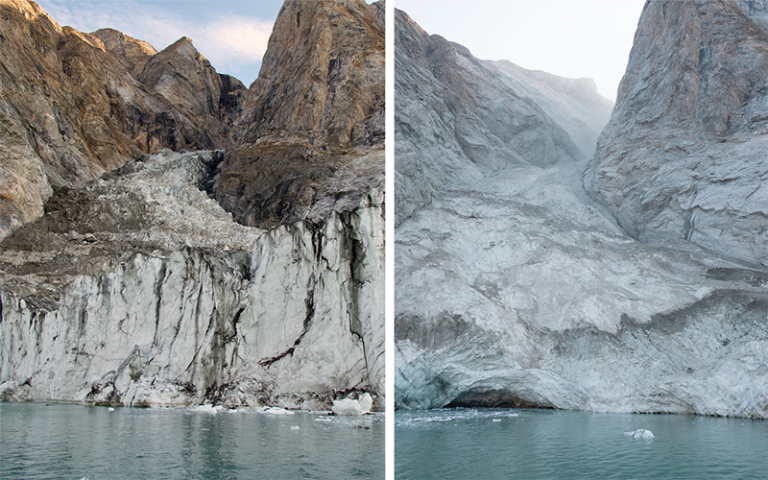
310 138
519 289
75 106
684 153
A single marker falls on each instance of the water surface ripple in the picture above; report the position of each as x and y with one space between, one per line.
549 444
71 441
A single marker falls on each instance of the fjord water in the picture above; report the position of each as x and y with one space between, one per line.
551 444
71 441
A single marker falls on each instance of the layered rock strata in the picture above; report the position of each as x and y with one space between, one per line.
518 289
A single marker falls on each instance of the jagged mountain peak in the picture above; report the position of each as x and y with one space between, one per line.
31 11
120 44
320 77
310 138
133 52
184 46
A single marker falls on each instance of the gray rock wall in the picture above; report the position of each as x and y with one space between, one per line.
684 154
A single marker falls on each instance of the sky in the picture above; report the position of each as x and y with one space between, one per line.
231 34
570 38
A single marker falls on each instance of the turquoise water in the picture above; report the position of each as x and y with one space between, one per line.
71 441
549 444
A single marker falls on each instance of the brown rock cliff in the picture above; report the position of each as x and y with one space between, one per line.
310 139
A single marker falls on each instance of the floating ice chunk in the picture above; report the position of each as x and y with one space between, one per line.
496 420
274 411
110 409
642 433
207 408
347 407
295 427
351 407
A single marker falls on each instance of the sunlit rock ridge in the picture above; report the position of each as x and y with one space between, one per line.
516 285
139 268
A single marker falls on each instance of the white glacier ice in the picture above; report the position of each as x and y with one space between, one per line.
641 433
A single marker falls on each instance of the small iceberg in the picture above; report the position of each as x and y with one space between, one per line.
207 408
642 433
274 411
351 407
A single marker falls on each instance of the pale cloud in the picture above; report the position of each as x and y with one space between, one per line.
233 44
235 40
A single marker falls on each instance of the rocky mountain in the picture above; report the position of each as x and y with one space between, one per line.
74 107
515 287
310 139
684 153
137 287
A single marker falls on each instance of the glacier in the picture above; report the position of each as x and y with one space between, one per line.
179 305
517 285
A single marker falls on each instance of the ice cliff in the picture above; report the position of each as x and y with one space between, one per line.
518 286
165 281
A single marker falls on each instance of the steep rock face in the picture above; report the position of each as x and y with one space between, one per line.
140 290
321 76
684 153
480 118
310 138
521 290
71 110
